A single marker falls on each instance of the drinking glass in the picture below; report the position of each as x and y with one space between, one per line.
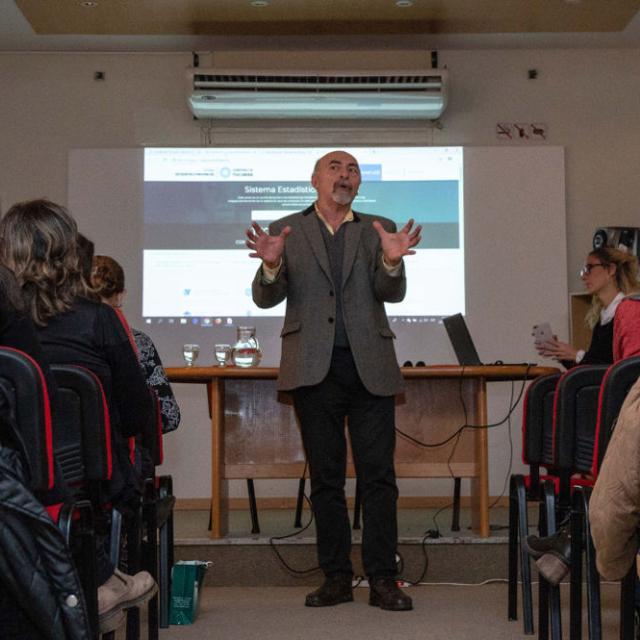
190 353
222 353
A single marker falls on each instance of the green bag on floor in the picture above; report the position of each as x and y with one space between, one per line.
187 577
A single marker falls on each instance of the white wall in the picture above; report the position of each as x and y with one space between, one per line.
588 99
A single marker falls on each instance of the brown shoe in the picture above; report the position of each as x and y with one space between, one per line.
334 590
386 594
122 591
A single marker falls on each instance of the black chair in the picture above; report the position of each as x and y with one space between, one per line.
23 384
156 524
575 428
537 452
25 388
83 449
615 386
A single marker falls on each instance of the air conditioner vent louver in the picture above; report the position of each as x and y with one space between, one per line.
240 94
317 83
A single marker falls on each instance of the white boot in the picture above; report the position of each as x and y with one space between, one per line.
122 591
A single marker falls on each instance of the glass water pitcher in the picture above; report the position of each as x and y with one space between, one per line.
246 350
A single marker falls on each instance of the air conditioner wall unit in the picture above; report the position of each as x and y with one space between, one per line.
408 94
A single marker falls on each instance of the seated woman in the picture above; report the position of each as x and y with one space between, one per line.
107 279
609 275
31 595
40 247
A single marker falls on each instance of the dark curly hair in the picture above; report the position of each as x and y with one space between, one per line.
39 244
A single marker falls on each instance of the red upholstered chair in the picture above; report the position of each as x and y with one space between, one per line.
537 453
23 384
615 386
25 387
157 522
574 437
82 444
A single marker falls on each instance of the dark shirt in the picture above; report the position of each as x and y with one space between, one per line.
90 335
335 251
17 331
600 349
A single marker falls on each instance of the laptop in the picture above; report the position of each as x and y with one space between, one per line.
462 343
461 340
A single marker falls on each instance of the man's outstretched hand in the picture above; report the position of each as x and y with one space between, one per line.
399 244
268 248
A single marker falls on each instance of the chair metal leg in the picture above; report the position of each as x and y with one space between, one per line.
164 575
577 552
115 537
151 556
543 585
253 507
593 578
512 603
525 564
133 530
555 616
455 516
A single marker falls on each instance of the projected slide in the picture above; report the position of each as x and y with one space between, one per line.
198 202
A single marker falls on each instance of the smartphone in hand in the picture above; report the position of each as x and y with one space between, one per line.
542 333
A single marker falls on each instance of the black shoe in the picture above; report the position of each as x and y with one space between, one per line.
558 544
335 590
386 594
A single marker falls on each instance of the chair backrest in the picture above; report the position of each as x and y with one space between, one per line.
153 439
83 433
615 386
575 417
537 421
25 389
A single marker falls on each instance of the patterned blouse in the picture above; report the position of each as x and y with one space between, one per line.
157 380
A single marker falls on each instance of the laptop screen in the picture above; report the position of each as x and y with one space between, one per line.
461 340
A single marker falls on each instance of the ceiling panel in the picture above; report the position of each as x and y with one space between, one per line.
330 17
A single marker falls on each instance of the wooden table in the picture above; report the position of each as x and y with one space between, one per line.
254 436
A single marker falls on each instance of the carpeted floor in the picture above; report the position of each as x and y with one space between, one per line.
440 613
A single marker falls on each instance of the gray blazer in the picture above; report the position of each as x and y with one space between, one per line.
305 281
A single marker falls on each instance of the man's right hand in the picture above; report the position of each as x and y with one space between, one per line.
268 248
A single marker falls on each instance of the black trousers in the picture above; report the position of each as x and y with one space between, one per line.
322 409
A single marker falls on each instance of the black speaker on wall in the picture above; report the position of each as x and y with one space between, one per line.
624 238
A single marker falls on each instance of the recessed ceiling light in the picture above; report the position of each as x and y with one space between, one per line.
259 3
404 3
89 4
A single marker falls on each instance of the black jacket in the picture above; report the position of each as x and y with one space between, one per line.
35 563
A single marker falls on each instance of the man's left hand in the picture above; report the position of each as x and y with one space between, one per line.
397 245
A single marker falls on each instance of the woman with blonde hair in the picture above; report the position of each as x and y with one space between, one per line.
39 244
609 275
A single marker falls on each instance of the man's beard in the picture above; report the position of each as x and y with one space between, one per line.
342 196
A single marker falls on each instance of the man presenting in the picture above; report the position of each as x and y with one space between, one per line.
337 268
